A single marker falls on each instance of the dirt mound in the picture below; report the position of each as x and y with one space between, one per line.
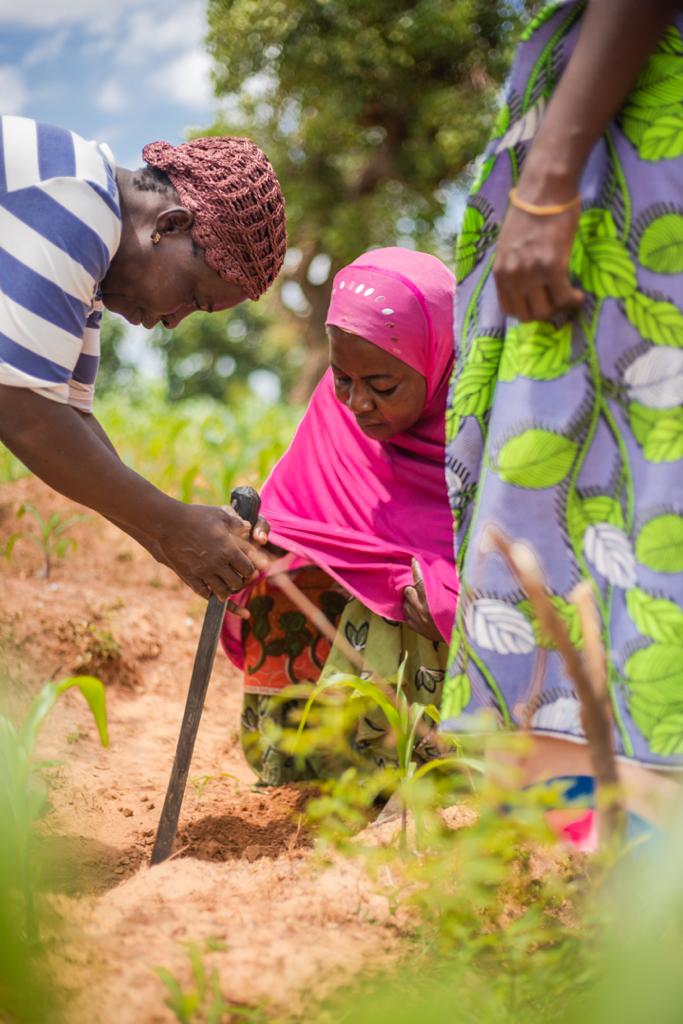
242 884
268 823
79 865
279 936
101 611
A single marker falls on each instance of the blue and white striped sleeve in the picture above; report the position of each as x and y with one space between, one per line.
59 227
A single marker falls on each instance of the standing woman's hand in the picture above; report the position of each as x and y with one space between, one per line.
531 268
532 258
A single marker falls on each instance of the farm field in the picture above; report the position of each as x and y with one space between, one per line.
243 878
253 920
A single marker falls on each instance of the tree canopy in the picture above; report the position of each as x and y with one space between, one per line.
370 111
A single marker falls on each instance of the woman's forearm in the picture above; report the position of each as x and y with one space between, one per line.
206 546
616 37
56 444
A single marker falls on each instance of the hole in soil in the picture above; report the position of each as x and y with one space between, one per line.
76 865
268 824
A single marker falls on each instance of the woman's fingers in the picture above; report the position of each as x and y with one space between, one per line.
199 586
510 297
412 606
261 531
565 297
416 610
217 586
239 610
531 265
540 305
542 301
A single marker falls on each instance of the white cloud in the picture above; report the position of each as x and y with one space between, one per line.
39 13
187 80
111 97
161 32
47 49
13 91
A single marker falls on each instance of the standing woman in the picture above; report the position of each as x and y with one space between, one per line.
565 421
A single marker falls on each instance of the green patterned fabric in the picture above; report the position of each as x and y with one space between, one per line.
568 436
383 645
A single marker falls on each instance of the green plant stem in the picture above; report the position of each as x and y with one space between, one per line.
514 166
630 503
611 683
623 451
600 408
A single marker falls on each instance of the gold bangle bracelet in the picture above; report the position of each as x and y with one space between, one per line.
542 211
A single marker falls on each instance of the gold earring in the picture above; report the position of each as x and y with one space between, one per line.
156 238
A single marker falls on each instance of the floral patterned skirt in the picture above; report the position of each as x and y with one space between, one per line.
282 650
568 436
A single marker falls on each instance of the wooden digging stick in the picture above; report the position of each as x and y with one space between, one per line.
588 675
246 502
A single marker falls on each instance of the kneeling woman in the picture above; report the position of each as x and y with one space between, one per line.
359 501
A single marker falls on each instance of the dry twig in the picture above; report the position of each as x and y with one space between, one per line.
588 675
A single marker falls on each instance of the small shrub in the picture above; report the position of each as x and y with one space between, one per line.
202 1002
48 535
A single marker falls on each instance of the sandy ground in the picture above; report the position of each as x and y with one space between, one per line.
282 929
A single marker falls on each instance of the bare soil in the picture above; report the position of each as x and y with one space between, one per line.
281 929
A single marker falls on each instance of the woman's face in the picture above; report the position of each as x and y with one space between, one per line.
164 283
385 395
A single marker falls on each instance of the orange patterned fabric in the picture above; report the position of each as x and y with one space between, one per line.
281 647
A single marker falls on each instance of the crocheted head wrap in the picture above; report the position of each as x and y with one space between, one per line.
239 211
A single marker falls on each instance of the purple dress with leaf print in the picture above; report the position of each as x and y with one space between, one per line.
569 436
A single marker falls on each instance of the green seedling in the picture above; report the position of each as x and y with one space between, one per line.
200 782
11 468
23 793
404 719
102 646
202 1002
48 535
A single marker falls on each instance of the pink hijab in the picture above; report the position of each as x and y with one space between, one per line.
362 509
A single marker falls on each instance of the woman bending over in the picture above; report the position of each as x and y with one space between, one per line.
359 501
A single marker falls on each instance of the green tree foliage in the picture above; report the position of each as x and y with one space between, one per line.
370 111
214 354
114 368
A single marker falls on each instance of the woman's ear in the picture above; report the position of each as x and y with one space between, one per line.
174 220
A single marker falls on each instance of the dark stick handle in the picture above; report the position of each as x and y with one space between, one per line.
201 672
246 503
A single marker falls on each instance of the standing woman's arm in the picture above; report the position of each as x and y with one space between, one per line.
532 259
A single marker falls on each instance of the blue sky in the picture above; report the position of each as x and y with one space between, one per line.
124 72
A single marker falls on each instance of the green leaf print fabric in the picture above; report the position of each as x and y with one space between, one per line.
569 435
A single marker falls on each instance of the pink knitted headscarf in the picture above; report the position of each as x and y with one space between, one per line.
239 211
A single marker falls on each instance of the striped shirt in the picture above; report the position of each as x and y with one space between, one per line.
60 225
